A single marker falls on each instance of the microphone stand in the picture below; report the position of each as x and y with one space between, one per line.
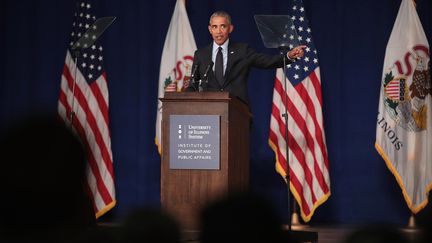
200 88
205 77
193 72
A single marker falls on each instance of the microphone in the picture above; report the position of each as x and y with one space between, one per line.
209 66
192 77
193 72
205 76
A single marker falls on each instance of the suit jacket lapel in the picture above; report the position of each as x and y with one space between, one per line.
208 56
206 61
230 55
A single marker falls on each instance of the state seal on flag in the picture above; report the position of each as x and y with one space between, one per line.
404 102
178 79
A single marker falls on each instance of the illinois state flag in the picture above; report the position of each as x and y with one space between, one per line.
403 131
307 159
177 59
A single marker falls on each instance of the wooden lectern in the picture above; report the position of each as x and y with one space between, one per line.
184 192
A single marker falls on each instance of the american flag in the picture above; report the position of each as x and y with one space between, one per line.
84 94
308 160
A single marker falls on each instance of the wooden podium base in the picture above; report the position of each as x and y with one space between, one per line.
184 192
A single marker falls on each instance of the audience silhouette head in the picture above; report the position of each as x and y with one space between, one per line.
150 225
42 180
240 218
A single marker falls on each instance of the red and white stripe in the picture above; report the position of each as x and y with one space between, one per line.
91 122
393 89
308 160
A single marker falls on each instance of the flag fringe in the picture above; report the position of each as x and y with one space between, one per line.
107 208
399 180
281 171
159 146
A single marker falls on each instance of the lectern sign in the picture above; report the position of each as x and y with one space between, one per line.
194 142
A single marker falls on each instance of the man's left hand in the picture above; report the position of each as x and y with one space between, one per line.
296 52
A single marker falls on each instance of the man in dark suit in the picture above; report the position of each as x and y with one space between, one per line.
225 65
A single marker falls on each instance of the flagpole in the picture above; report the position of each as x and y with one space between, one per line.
411 220
295 217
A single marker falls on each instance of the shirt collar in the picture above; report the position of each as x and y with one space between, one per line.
224 46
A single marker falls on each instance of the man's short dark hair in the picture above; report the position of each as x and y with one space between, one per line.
221 13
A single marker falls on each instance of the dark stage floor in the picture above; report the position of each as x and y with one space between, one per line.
326 234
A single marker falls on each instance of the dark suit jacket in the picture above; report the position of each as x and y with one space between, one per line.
241 58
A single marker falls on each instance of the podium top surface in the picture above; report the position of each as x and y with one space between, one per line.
211 96
197 96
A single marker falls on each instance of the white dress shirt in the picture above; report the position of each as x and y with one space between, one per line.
224 54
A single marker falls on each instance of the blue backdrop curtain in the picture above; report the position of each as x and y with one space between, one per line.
350 37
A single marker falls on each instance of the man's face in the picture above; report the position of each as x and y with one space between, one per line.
220 29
